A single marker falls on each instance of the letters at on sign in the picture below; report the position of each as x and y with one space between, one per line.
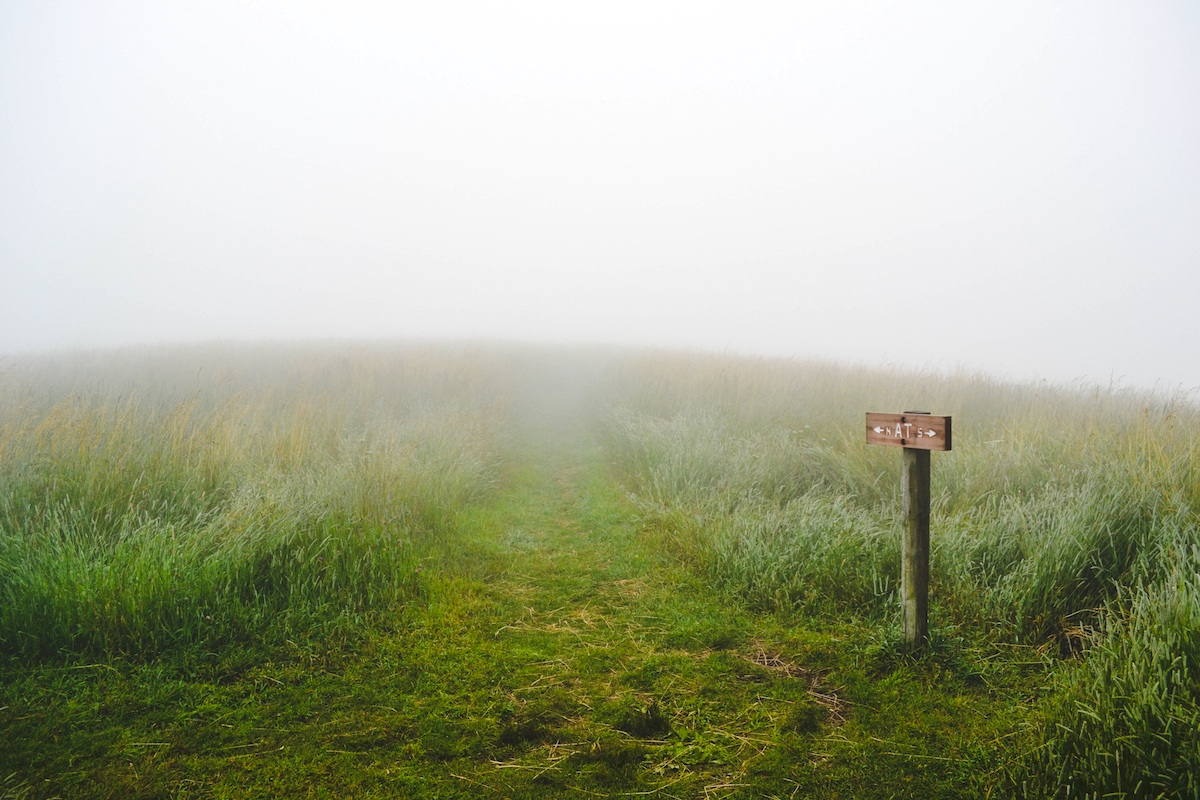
916 431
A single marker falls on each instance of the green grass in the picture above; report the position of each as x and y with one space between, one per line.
1064 520
140 530
402 571
556 652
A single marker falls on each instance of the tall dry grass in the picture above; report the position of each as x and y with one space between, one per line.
1065 517
157 499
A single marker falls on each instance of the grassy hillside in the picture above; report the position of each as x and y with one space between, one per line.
150 508
389 570
1065 520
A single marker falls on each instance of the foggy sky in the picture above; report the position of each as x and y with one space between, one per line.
1012 188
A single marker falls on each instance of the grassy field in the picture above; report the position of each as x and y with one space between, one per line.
451 570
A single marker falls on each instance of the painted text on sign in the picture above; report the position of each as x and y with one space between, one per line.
918 431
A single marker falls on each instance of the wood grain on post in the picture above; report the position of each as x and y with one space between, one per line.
914 564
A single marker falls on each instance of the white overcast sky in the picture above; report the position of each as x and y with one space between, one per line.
1009 187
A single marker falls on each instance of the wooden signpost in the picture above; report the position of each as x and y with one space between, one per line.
918 433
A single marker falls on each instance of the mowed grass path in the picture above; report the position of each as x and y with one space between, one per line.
559 651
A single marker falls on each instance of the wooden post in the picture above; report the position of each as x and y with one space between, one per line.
914 563
918 433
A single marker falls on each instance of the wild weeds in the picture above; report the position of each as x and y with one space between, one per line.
154 502
134 526
819 552
1125 722
1064 516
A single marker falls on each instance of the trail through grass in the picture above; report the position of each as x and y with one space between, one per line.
557 650
397 571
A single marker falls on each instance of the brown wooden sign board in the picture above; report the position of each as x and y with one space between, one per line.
914 431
